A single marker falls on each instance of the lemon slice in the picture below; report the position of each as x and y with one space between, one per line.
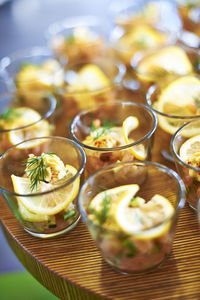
27 116
181 98
30 217
132 219
168 60
142 37
51 203
90 78
38 76
189 148
115 194
129 124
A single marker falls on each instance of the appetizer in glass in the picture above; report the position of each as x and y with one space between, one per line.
165 64
20 120
116 131
140 38
40 180
131 210
87 84
80 38
175 104
185 147
32 73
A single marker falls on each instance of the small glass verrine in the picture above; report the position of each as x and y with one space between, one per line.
116 131
40 180
31 73
185 148
80 38
114 203
165 64
21 119
175 102
87 84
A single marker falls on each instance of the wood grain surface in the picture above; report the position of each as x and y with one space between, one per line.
72 268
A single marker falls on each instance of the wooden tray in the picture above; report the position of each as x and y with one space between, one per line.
71 266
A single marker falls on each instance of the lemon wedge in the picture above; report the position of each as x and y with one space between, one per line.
129 124
30 217
51 203
90 78
168 60
27 116
37 77
189 148
132 219
181 98
142 37
115 193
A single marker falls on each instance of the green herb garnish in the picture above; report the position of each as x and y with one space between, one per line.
103 214
131 248
36 169
69 214
98 132
197 102
196 64
27 64
10 114
71 39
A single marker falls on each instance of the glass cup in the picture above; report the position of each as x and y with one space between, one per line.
31 73
81 38
168 123
132 250
106 147
51 209
86 85
20 120
165 70
186 166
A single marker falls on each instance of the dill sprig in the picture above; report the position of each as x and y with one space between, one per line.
98 132
197 102
9 114
36 169
103 214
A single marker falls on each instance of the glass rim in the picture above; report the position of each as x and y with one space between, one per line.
95 108
116 81
24 53
160 167
172 147
57 27
149 93
69 181
53 102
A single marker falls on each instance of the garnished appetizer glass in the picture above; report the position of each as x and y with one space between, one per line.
20 120
131 210
164 64
127 14
185 147
40 180
80 38
116 131
88 84
31 72
175 102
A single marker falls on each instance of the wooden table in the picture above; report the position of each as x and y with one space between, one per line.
71 267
